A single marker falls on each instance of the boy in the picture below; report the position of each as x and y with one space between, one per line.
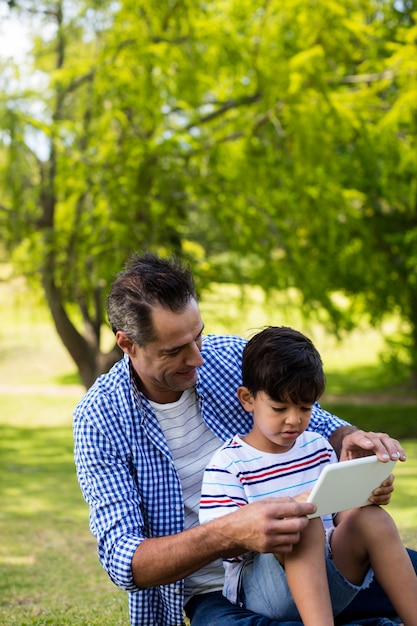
282 377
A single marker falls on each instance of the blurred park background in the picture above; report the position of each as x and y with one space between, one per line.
273 146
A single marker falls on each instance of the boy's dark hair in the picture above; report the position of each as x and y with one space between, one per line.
147 281
283 363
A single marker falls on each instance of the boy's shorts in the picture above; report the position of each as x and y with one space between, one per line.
264 588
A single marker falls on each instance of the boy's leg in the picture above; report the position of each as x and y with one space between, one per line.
264 589
305 568
373 601
368 536
293 586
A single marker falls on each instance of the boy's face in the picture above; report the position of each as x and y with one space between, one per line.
276 425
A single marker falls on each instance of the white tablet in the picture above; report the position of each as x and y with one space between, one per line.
348 484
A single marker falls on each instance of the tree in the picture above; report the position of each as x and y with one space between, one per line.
327 173
266 142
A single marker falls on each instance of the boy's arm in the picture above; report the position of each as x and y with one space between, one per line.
221 493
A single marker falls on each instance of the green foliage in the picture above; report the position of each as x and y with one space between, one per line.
267 143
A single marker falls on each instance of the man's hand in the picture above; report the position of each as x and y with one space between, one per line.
360 443
269 525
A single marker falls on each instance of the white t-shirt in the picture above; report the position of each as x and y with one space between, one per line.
192 444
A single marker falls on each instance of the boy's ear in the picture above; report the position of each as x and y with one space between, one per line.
245 398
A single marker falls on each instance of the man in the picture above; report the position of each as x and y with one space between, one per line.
143 435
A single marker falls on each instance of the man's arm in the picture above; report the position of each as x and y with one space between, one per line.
351 443
270 525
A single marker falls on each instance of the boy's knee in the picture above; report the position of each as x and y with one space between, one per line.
373 519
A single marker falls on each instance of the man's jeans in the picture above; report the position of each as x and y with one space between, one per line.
370 608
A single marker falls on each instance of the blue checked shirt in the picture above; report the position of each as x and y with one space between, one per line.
126 472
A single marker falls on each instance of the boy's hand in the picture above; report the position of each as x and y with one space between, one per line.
360 443
382 495
302 497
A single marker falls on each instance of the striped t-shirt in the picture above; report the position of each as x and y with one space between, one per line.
239 474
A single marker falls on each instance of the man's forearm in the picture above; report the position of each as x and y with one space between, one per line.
268 525
163 560
337 436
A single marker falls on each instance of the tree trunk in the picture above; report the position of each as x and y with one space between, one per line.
88 358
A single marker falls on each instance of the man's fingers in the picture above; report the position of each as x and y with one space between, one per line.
361 443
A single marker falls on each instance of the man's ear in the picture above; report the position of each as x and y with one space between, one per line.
125 343
245 398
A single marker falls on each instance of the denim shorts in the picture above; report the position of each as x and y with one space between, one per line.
264 588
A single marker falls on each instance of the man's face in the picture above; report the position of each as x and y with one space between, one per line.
167 366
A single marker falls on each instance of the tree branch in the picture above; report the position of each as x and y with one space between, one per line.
363 78
226 106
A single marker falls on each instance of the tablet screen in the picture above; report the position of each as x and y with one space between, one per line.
348 484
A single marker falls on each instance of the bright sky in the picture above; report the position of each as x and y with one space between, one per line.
14 42
13 35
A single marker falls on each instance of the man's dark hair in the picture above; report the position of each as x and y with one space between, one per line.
147 281
283 363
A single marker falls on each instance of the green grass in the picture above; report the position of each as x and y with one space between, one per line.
49 571
49 568
403 504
